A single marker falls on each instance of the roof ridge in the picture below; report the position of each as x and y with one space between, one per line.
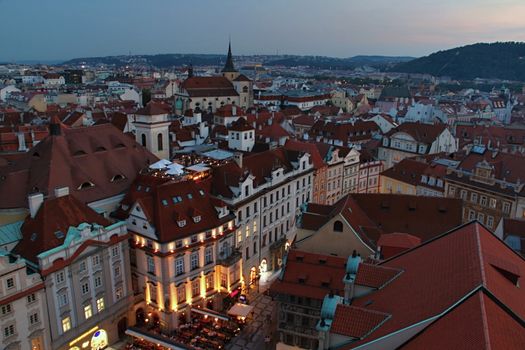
484 321
480 256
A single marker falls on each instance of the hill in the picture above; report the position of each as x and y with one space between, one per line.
170 60
501 60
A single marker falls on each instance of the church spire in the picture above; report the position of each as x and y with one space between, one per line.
228 67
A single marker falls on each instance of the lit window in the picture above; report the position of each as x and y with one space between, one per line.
181 294
66 324
100 304
88 311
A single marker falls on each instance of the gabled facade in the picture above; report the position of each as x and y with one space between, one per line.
183 252
83 260
411 139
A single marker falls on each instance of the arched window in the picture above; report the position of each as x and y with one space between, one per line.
338 226
159 142
245 89
143 140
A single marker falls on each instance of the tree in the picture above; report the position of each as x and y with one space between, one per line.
146 96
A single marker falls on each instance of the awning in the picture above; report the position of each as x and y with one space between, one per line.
211 313
155 339
241 310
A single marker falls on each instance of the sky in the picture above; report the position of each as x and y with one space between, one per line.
64 29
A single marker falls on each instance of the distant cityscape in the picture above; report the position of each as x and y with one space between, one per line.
263 202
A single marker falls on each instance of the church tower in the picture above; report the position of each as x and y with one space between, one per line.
229 71
152 129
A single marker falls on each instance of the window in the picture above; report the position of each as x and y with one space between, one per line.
82 266
194 260
62 299
463 194
100 304
483 201
85 288
254 247
119 293
338 226
116 271
60 277
98 281
159 142
471 215
115 252
9 331
255 207
179 266
209 255
492 203
88 311
31 298
181 294
247 253
196 288
490 221
6 309
209 282
66 324
506 207
34 319
224 280
474 197
95 260
451 191
143 140
481 218
151 264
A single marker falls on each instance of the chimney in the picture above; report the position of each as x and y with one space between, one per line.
35 200
61 192
352 265
238 159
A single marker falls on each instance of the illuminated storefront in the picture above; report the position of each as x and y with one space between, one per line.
94 339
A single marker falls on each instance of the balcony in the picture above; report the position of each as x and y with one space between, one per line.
227 260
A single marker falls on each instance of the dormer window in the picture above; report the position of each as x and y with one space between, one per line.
79 153
181 223
196 219
117 177
85 185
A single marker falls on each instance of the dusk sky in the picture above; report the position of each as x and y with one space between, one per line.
63 29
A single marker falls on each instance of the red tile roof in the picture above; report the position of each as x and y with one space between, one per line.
425 133
311 275
55 215
375 276
371 215
356 322
477 323
440 273
82 155
166 202
154 108
209 87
